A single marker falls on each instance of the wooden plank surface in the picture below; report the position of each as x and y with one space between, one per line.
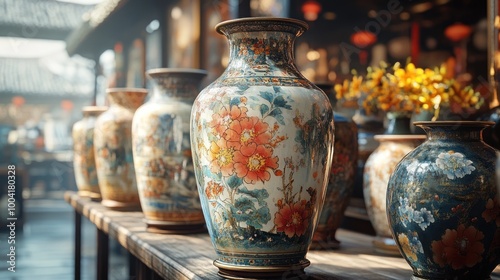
191 256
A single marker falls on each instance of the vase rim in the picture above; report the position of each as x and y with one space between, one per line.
159 71
302 25
126 89
454 123
94 109
402 137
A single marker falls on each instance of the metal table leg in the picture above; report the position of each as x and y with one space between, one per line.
78 244
102 255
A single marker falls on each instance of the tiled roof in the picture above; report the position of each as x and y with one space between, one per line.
33 78
32 18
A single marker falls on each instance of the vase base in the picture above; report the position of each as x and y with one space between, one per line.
386 246
236 272
173 228
414 277
91 195
121 206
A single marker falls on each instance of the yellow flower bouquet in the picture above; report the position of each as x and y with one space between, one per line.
403 91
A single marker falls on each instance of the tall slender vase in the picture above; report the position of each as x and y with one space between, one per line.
442 203
113 149
377 170
262 141
162 153
83 153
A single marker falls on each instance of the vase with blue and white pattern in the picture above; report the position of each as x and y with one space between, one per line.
442 203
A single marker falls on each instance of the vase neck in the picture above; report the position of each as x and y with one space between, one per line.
262 47
130 100
176 84
398 125
260 50
463 131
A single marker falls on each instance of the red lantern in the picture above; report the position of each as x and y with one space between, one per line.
363 39
66 105
311 10
18 101
457 32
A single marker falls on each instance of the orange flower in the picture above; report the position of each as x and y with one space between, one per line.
292 219
248 131
221 157
492 212
459 248
252 163
222 120
213 190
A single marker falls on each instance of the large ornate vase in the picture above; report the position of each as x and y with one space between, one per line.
162 152
83 153
341 181
113 149
442 204
378 168
262 141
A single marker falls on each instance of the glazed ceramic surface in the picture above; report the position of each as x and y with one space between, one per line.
162 152
377 170
113 148
83 153
262 141
340 184
442 204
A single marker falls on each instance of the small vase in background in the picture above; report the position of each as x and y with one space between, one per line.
83 153
377 170
398 124
443 205
162 153
113 149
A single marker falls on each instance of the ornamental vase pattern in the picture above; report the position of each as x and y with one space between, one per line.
83 153
378 168
442 203
162 153
113 149
262 140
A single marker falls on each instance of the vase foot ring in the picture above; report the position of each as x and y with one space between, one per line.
386 246
173 228
91 195
120 206
235 272
414 277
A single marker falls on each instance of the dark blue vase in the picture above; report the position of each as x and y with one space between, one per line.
442 203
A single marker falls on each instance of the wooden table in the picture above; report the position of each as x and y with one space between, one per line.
162 256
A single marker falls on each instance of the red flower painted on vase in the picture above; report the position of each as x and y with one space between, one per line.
252 163
221 157
213 190
492 212
459 248
248 131
221 121
292 219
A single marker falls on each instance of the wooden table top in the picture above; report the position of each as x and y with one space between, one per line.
190 256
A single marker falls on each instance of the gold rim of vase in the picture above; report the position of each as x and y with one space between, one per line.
302 25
